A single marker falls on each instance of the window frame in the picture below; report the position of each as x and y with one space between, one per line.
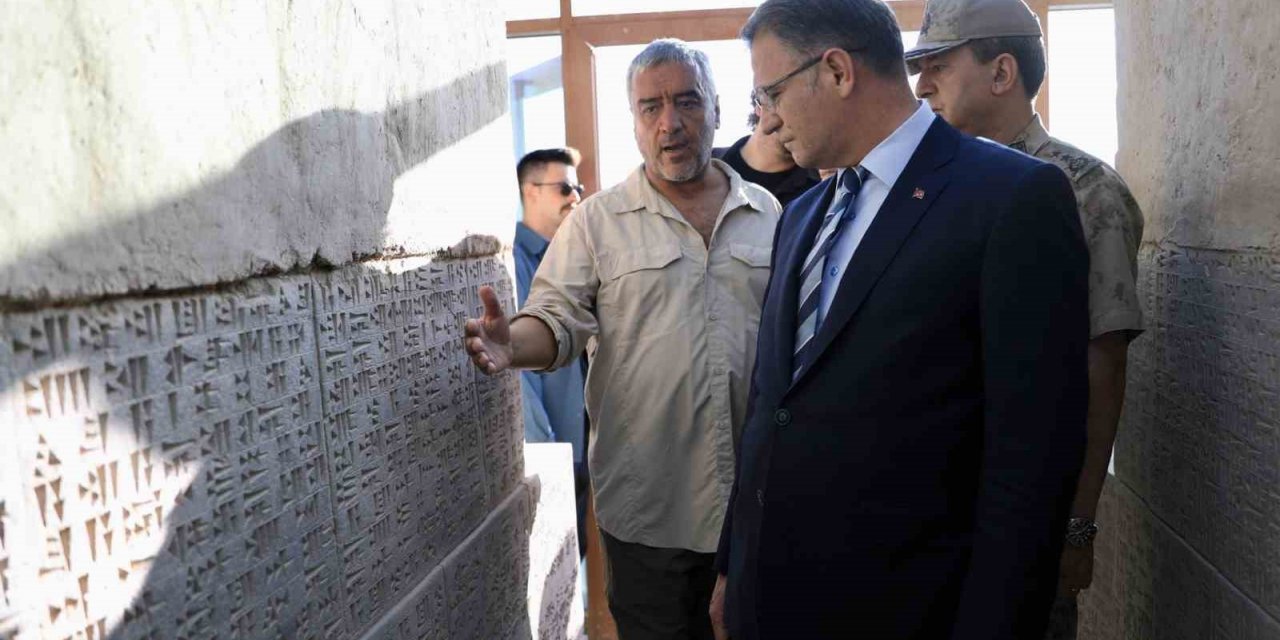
580 35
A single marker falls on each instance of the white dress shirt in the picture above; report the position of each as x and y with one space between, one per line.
884 164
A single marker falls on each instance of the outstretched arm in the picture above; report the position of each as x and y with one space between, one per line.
495 344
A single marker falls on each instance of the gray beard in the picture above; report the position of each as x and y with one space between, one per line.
695 171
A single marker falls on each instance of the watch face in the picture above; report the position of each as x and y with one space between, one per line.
1080 532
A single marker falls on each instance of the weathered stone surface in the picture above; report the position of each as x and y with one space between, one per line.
182 144
1191 547
285 458
1150 583
471 593
1197 114
555 601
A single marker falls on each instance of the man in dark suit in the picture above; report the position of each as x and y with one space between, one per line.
917 418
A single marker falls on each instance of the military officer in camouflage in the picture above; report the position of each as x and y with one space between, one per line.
980 65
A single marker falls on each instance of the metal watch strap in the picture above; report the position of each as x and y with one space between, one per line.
1080 532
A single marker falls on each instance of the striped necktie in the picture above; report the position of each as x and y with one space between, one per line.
808 317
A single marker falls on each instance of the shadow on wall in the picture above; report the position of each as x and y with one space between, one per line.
275 457
316 192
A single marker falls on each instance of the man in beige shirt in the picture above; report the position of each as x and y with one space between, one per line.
981 62
667 270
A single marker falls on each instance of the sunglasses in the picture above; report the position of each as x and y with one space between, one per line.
565 187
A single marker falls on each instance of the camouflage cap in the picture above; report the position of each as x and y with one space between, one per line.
951 23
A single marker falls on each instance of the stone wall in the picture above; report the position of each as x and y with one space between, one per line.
1191 540
155 144
238 242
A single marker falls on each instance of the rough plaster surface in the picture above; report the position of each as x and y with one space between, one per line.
1198 89
160 145
555 602
1192 548
476 576
292 458
1149 583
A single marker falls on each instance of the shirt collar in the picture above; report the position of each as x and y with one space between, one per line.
889 158
637 193
1032 138
529 240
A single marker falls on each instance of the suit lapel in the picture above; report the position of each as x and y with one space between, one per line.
793 246
911 196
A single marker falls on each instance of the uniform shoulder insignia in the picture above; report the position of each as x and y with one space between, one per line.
1074 162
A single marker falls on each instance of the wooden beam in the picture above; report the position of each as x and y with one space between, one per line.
642 28
580 106
1041 8
527 28
910 14
600 625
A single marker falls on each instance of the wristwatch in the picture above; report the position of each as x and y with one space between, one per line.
1080 532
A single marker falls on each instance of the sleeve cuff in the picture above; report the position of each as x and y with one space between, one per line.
564 345
1120 320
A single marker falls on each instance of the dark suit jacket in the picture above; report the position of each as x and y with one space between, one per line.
914 481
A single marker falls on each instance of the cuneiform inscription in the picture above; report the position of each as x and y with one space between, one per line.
407 442
1198 439
151 432
285 460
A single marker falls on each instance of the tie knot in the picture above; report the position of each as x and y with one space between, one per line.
852 179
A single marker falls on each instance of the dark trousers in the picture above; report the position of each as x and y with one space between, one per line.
658 594
582 494
1063 619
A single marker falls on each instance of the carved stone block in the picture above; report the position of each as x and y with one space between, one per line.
286 458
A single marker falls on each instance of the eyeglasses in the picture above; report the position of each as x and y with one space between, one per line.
765 98
565 187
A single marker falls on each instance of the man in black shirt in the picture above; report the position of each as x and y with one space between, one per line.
761 159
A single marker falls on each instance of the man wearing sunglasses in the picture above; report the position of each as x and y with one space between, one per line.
918 405
666 272
554 409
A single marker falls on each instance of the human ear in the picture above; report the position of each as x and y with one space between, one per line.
843 70
1005 76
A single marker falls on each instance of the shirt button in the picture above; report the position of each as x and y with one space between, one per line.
714 316
760 496
834 271
782 417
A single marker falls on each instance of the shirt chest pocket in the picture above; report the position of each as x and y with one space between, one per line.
637 279
752 263
750 255
616 265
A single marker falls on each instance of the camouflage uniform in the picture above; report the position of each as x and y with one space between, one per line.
1112 225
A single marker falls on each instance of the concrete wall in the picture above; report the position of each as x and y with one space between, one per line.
238 240
1191 541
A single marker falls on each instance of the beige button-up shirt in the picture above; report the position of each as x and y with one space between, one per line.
1112 225
675 324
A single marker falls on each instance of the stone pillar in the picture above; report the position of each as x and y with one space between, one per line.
237 243
1191 519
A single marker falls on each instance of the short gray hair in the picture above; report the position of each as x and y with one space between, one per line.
671 50
866 28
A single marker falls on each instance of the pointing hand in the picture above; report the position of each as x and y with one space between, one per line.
488 339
